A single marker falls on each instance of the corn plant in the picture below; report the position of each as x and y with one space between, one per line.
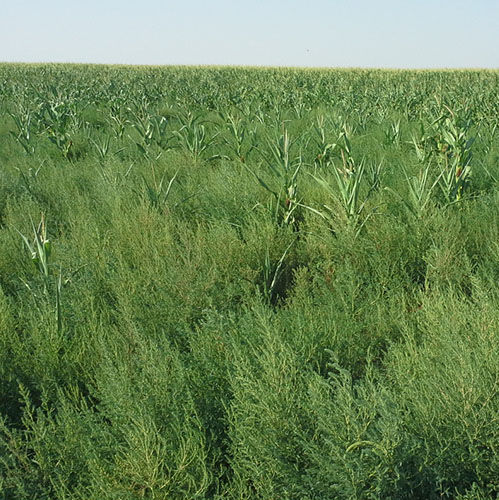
284 171
349 178
420 190
456 155
363 117
392 134
374 175
118 120
239 132
447 142
423 146
62 111
58 308
23 121
300 108
29 176
346 188
56 119
487 137
324 147
118 178
103 147
152 130
40 248
272 273
348 184
158 191
194 139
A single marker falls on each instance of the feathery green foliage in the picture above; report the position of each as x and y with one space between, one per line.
248 283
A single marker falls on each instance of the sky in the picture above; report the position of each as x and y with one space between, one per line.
309 33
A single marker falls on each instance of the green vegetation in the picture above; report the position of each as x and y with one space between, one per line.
228 283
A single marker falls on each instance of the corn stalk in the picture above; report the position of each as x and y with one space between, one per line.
284 171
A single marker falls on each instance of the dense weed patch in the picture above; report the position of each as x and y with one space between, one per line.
248 283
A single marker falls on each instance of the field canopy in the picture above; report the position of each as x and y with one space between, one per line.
248 283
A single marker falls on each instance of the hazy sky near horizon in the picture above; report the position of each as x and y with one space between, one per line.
362 33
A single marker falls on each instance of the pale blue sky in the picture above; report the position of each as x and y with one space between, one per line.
362 33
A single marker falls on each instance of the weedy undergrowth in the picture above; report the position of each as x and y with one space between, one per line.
190 358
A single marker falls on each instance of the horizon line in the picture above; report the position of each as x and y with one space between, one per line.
251 66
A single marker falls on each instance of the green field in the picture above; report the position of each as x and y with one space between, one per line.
242 283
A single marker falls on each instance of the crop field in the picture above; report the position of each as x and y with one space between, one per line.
248 283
